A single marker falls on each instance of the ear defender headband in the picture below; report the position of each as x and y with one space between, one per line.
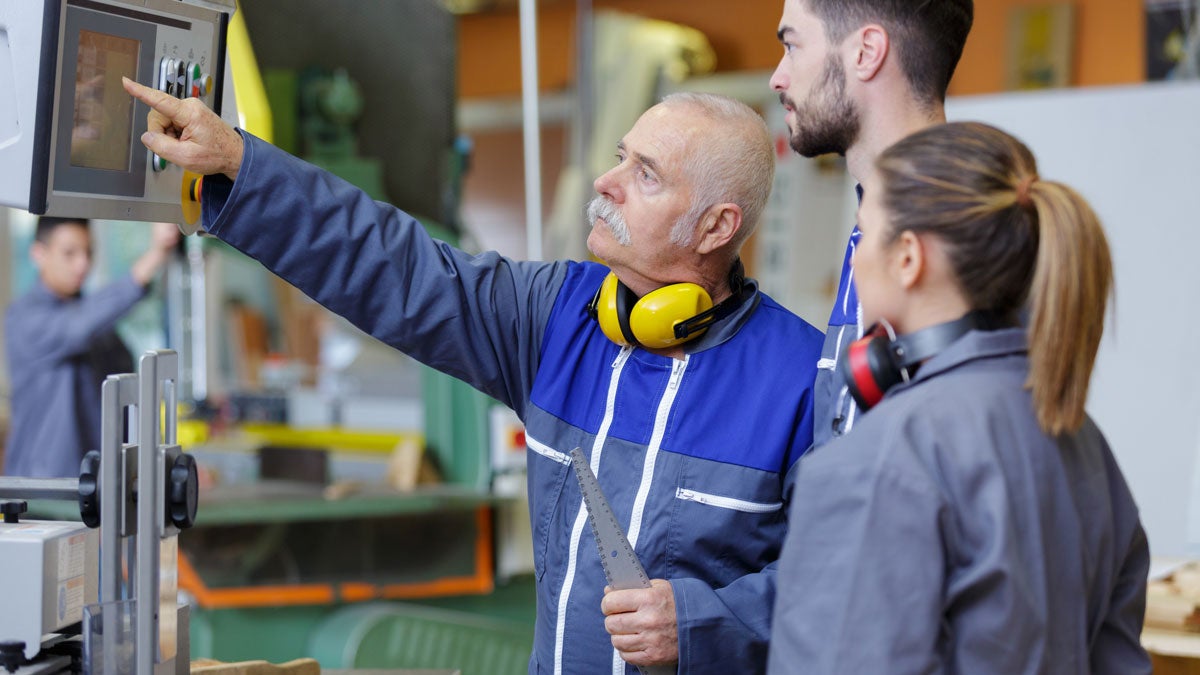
880 360
664 317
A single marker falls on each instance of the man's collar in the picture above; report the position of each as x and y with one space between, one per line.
42 290
728 326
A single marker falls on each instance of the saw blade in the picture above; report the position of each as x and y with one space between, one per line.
621 566
622 569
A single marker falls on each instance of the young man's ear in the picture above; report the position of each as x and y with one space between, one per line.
37 253
871 48
719 225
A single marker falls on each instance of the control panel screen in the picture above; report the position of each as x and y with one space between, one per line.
103 122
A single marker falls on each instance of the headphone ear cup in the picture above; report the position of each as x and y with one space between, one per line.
648 321
867 368
626 302
653 318
606 308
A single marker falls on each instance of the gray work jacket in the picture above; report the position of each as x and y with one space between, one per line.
948 534
59 352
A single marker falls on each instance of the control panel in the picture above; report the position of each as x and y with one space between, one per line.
75 149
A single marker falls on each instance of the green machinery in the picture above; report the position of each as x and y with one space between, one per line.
314 115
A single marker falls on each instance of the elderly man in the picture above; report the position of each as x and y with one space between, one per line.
689 390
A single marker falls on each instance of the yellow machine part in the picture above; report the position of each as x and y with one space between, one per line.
254 111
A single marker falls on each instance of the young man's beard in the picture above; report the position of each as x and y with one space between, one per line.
827 121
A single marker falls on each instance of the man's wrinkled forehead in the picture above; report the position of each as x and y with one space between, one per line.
662 137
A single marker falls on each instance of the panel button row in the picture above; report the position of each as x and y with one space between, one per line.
181 79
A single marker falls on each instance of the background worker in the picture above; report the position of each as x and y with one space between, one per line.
61 344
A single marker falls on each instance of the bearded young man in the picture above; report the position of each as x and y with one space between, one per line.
857 76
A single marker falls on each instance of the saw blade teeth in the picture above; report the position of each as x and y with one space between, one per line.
622 569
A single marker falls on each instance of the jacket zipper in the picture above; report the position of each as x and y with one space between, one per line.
564 593
726 502
665 404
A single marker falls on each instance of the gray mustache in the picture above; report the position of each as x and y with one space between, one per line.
600 207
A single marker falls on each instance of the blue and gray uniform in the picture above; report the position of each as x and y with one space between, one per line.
693 454
950 534
59 351
835 409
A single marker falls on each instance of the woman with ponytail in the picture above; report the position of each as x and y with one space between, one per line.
975 520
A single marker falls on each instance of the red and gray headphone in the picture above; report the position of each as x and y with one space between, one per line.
880 360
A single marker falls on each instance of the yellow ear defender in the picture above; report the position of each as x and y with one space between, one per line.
662 318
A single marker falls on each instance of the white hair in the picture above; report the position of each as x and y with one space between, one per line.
736 166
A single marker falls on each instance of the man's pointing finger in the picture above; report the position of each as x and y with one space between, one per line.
163 102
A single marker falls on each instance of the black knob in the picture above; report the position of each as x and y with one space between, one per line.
89 489
13 508
12 654
183 491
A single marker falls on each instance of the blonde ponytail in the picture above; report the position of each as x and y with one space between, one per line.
1072 283
1013 241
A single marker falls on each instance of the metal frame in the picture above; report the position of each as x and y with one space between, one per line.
133 489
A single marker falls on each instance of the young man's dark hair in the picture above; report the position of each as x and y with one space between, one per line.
928 36
47 224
